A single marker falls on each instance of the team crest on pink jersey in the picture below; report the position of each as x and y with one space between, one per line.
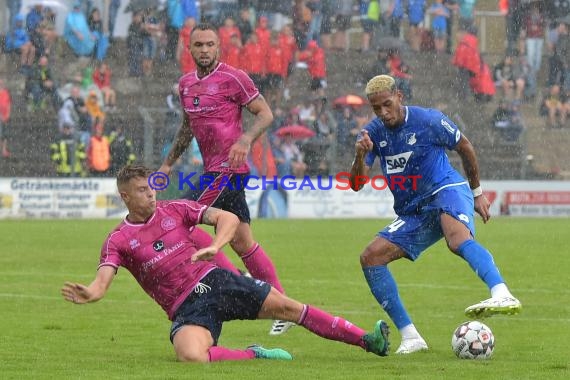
168 223
134 243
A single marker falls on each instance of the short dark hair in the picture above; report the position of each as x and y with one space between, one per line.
128 172
204 26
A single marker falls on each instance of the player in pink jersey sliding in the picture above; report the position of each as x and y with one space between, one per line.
154 244
213 97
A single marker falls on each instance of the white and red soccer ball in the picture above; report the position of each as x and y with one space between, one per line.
473 340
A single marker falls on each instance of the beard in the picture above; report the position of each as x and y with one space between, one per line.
207 64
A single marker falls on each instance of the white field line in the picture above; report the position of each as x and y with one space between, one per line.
71 277
437 286
337 311
513 318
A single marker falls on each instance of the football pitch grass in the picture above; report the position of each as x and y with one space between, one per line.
125 335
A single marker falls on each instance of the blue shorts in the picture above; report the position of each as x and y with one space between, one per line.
221 194
224 296
414 233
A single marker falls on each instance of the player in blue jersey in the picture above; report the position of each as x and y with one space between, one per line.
435 202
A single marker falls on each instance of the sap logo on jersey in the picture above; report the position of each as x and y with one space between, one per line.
397 163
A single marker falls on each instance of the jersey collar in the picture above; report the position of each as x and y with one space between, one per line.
211 72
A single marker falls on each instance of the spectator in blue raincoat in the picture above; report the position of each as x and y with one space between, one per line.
77 33
17 40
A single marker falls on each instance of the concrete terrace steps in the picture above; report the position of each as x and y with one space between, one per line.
434 84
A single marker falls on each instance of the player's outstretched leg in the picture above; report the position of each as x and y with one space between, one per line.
384 288
501 301
330 327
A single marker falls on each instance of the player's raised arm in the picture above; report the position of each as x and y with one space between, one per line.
181 142
226 225
469 160
80 294
359 170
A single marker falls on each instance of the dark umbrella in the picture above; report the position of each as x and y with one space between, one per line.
297 132
140 5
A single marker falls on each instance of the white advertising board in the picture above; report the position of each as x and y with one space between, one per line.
528 198
60 198
98 198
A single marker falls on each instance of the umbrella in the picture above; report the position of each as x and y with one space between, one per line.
349 100
140 5
298 132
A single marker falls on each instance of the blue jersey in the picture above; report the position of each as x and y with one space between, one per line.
415 151
416 11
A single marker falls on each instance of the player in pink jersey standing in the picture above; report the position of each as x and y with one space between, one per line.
154 244
213 97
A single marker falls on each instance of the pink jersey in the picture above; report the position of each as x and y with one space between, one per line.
158 252
213 105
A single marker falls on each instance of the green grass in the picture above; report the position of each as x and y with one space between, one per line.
125 336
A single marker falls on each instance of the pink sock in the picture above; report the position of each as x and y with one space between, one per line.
203 239
330 327
221 353
261 267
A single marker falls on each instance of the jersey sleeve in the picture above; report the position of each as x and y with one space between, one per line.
191 211
246 90
110 252
446 133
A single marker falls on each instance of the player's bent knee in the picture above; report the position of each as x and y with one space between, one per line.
372 257
191 344
190 351
192 357
454 242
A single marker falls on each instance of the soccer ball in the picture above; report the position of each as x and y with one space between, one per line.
473 340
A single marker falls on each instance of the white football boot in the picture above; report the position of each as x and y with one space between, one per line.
493 306
409 346
280 327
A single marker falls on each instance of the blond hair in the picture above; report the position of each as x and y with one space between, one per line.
380 83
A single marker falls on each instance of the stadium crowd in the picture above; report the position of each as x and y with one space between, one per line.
269 40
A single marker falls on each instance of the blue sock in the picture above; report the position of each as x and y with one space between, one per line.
481 261
384 288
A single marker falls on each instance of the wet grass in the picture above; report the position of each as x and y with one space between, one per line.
126 335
